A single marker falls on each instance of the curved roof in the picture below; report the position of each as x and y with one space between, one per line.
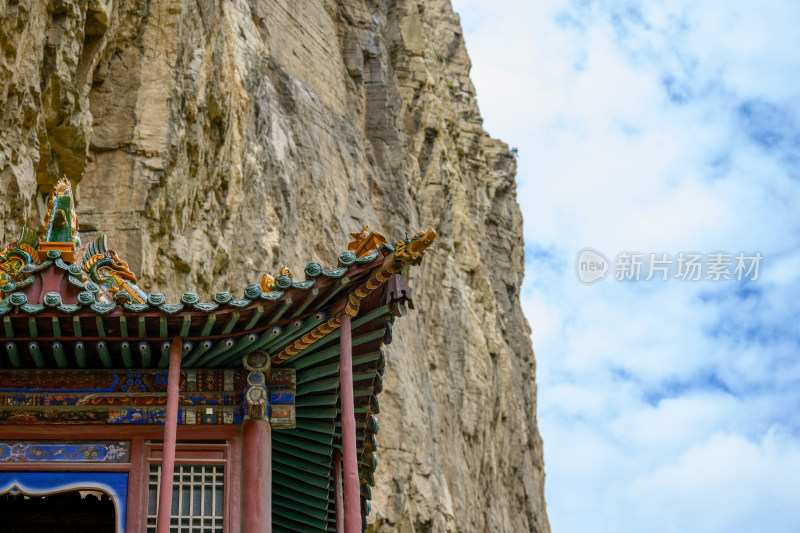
63 312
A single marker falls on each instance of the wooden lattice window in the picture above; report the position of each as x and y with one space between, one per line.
199 494
198 499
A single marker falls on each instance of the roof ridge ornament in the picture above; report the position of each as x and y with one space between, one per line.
61 224
366 241
110 272
407 252
17 254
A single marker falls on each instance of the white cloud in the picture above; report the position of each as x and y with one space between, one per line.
656 127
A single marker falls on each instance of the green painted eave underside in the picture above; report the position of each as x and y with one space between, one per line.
302 458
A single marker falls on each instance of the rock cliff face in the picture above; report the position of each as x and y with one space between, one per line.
217 140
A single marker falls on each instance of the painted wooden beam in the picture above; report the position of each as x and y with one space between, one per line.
170 434
144 352
344 282
291 483
316 481
352 499
59 354
125 349
287 303
312 516
186 348
325 438
105 356
36 354
256 477
316 400
300 463
13 354
227 355
304 361
253 321
337 491
186 326
197 351
165 355
221 346
335 335
80 354
265 338
310 298
232 320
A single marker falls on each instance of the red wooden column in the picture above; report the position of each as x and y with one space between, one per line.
337 491
170 433
352 498
257 476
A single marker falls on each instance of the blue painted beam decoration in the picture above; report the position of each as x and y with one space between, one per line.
118 397
282 385
30 451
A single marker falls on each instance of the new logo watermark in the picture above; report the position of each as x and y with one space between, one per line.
592 266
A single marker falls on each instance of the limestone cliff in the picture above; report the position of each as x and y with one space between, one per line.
216 140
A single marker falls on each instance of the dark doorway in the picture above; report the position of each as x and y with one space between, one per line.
77 511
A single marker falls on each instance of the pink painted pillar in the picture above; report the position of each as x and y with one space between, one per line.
352 498
337 491
257 476
170 435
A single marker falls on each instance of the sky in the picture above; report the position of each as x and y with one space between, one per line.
656 128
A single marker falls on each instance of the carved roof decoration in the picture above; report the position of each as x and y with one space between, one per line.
96 296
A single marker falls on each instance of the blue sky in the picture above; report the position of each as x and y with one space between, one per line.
656 127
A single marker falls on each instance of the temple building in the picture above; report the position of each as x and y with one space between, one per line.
122 412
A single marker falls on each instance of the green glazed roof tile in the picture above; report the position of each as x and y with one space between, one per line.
102 307
312 270
77 282
369 258
189 298
44 265
156 298
52 299
271 296
86 298
171 309
32 309
347 258
135 308
18 298
335 273
252 291
61 264
283 282
27 281
223 297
